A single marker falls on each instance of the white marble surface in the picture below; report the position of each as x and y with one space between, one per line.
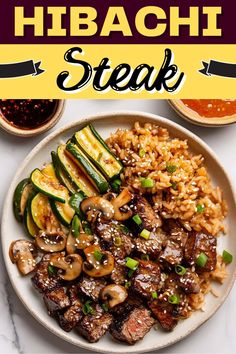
19 332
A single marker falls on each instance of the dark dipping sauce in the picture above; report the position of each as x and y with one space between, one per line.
27 114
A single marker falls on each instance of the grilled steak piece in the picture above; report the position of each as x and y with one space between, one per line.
189 282
56 300
201 243
172 253
94 326
91 287
146 278
150 220
115 239
42 279
133 325
152 246
71 317
163 312
119 274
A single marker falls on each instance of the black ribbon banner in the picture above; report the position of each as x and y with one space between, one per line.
218 68
20 69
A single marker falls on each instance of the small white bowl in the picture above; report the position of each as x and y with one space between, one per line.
193 117
27 133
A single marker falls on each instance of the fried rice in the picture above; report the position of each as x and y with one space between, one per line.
182 188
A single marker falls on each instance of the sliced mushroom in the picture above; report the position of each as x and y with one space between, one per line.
121 210
80 242
51 242
24 254
113 294
70 266
97 268
94 206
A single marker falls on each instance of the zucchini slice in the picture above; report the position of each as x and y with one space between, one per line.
29 223
66 181
98 152
49 171
48 186
63 211
42 213
95 177
21 195
73 173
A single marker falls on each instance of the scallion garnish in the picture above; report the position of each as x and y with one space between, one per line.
124 229
201 259
227 257
52 270
105 307
174 186
87 308
136 218
142 152
180 270
200 208
98 255
154 295
145 234
117 241
116 185
131 263
130 273
171 168
147 183
174 299
75 226
145 257
127 284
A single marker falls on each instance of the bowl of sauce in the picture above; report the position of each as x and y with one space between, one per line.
206 112
29 117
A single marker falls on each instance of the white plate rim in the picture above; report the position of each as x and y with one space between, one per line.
98 117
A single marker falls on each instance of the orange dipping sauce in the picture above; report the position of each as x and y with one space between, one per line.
212 108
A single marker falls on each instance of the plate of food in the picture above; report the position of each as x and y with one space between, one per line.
118 232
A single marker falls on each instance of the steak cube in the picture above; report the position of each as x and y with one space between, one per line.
172 253
201 243
146 278
141 207
56 300
42 279
71 317
131 326
189 282
152 246
163 312
119 274
94 326
91 287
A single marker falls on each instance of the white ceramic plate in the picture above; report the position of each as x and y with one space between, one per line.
11 230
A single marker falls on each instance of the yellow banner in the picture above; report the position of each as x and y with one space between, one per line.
118 71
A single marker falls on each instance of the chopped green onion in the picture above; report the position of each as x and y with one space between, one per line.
145 234
173 299
87 309
180 270
98 255
116 185
130 273
127 284
227 257
52 270
174 186
154 295
147 183
105 307
87 228
145 257
171 168
117 241
75 226
137 219
131 263
142 152
124 229
200 208
201 259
